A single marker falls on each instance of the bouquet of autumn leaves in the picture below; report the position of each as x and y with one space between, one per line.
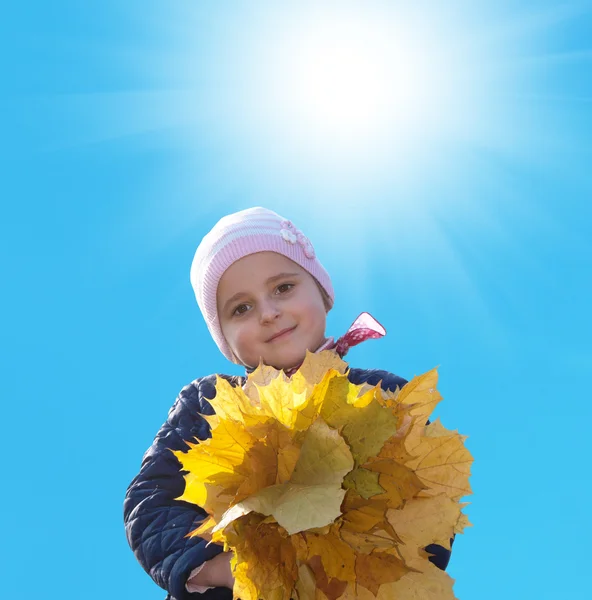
326 489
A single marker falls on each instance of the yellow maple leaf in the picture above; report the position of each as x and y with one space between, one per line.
365 427
424 582
436 429
426 521
364 482
288 455
230 403
255 478
399 481
275 402
313 496
315 367
329 490
443 464
420 395
304 507
417 400
365 543
462 522
360 514
328 588
260 377
324 456
430 584
265 559
337 557
306 585
377 568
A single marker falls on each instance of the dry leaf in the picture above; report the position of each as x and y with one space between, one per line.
372 570
338 557
363 515
399 481
365 428
365 543
443 464
267 559
324 457
364 482
426 521
324 489
424 582
316 366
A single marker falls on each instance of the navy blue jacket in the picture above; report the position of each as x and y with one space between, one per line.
156 524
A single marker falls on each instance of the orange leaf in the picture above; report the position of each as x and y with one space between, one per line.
426 521
443 464
338 558
331 588
269 557
372 570
427 582
365 516
400 482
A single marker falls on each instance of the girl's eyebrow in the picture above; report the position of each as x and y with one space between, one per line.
281 276
269 280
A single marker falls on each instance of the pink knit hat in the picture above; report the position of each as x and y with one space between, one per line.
238 235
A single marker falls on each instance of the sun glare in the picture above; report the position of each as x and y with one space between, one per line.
335 83
361 87
400 122
385 101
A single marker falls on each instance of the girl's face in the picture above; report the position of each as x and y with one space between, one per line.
270 309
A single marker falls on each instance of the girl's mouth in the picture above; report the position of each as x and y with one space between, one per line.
281 334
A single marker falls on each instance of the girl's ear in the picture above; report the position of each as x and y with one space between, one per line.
325 296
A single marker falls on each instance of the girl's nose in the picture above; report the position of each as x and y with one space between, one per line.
269 311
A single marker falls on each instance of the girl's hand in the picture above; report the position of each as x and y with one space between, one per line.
229 576
215 572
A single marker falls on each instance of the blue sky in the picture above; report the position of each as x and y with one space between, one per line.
437 157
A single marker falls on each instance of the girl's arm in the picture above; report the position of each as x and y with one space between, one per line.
157 524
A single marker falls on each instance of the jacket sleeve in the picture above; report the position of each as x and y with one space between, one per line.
156 524
440 556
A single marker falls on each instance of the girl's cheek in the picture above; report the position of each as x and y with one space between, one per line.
244 336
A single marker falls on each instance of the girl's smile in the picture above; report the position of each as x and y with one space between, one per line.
281 335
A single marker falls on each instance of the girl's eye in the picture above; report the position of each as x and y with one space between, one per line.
241 309
285 287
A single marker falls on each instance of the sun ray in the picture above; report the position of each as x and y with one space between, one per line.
321 109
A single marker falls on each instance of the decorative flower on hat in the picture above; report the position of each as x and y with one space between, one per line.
326 489
293 235
289 236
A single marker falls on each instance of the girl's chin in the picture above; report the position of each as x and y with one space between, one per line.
286 363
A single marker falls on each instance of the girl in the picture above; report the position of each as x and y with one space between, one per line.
264 296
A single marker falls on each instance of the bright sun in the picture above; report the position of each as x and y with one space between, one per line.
344 93
347 85
338 82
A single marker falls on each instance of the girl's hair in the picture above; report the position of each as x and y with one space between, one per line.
238 235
